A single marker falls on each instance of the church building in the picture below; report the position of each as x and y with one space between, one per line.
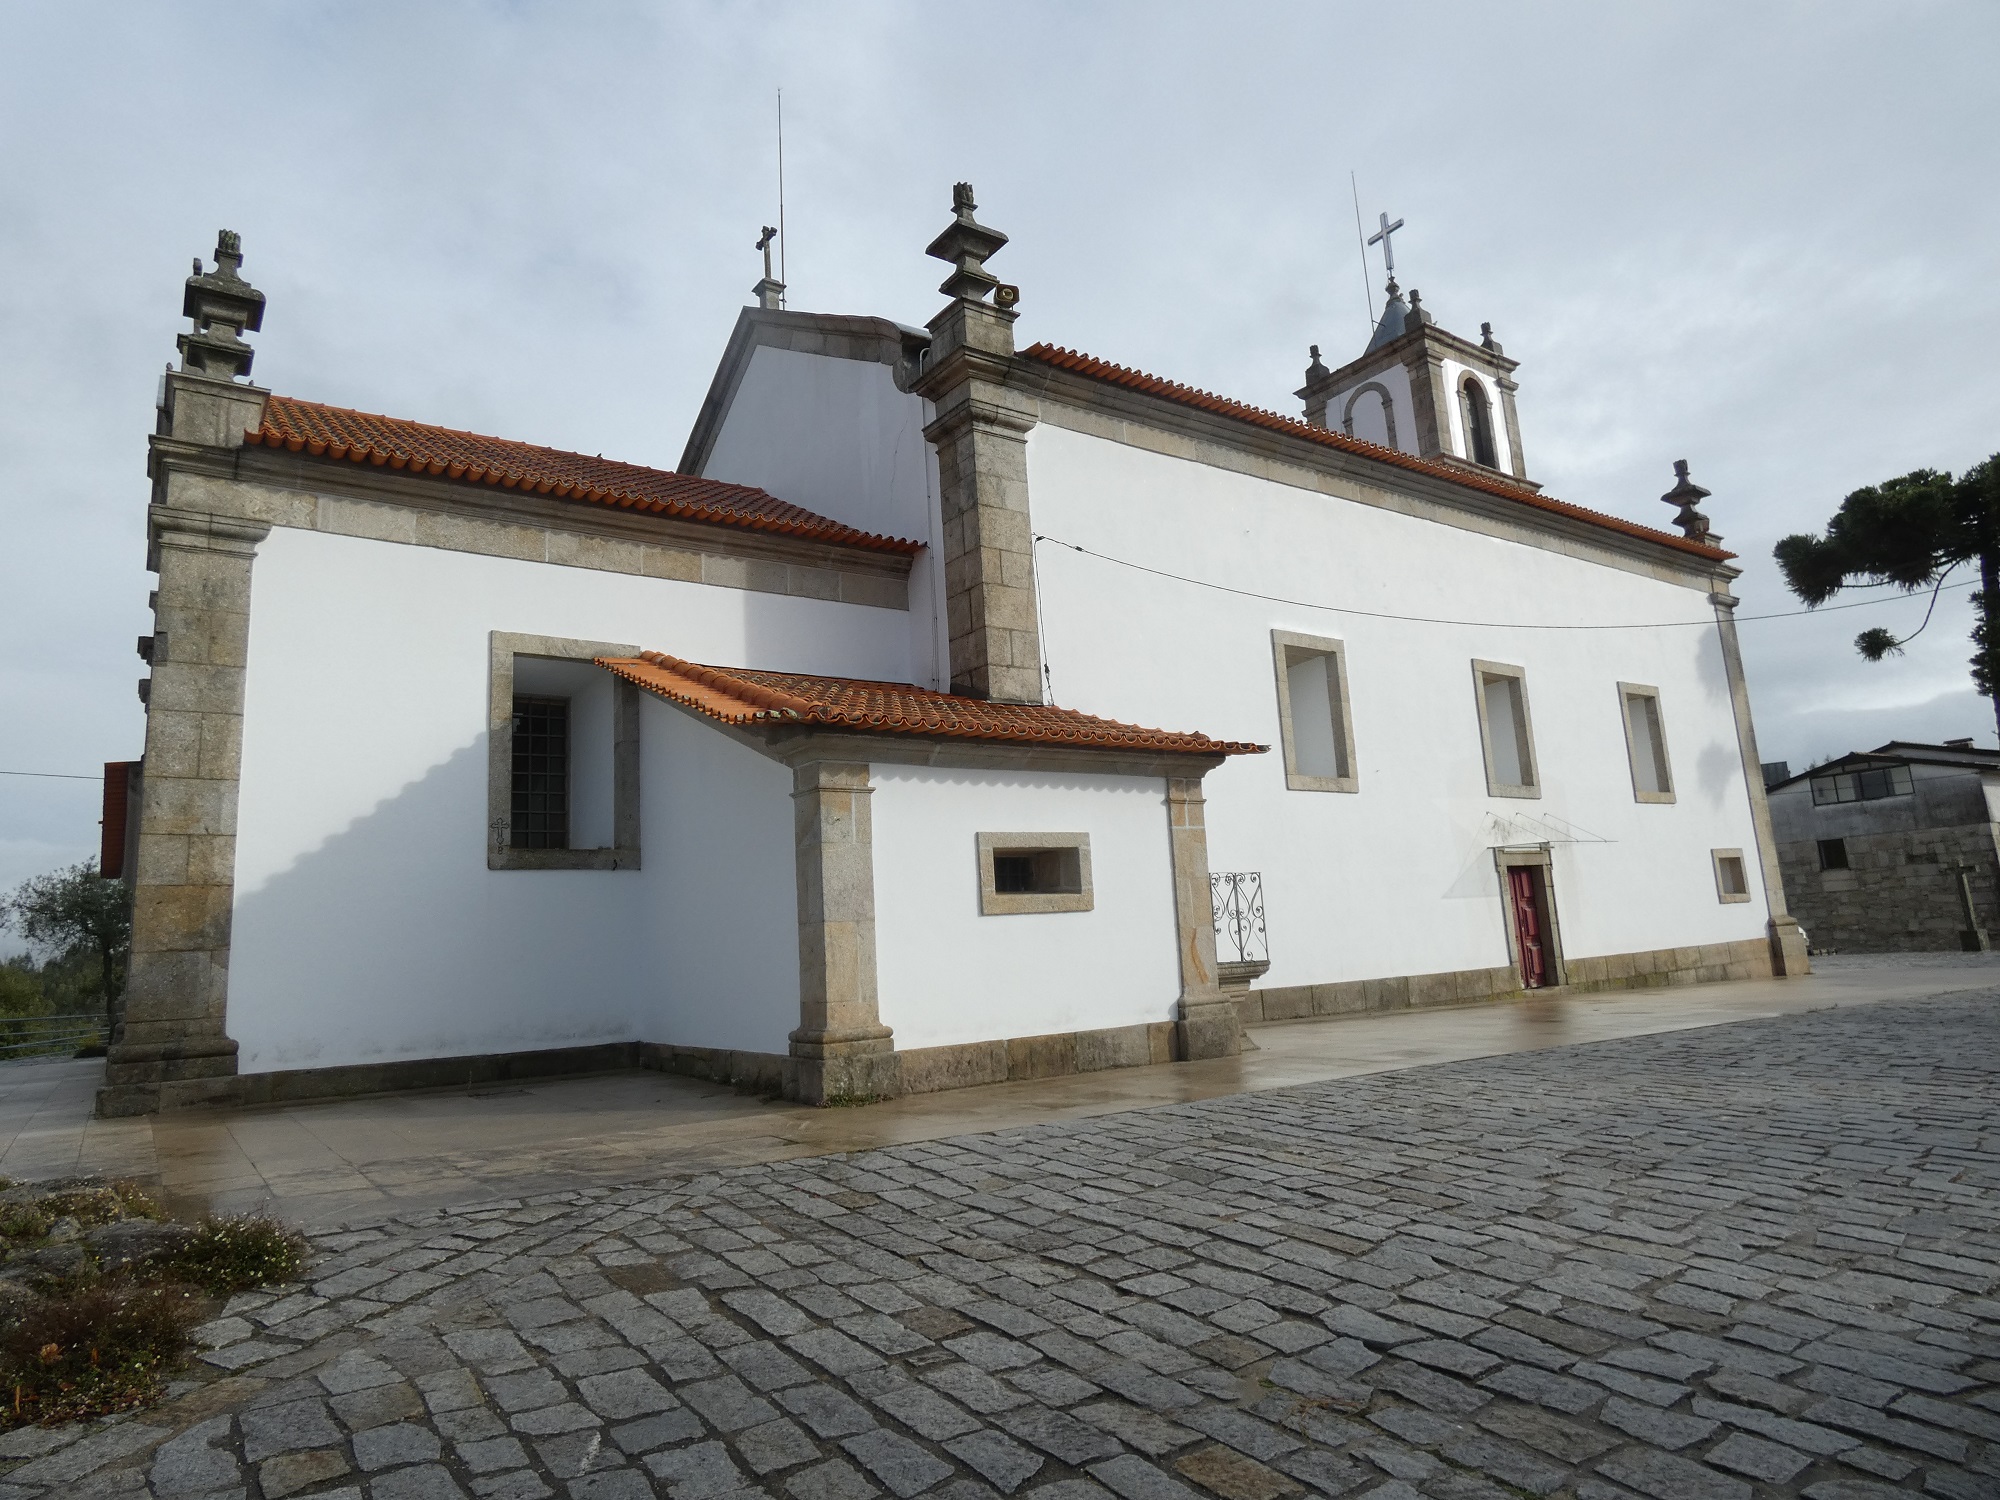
954 712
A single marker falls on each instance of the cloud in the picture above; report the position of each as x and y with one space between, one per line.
1737 235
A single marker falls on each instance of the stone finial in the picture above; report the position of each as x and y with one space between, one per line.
1487 341
1416 313
1686 494
770 292
223 306
1316 371
966 243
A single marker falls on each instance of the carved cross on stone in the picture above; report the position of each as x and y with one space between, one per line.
764 244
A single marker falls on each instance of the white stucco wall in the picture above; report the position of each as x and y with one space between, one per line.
366 924
1397 878
719 932
838 437
948 974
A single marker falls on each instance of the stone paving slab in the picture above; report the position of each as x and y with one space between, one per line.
1754 1260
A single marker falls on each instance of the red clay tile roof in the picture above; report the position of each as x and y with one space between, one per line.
1152 385
732 695
418 448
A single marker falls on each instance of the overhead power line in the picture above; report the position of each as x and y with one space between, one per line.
53 775
1377 614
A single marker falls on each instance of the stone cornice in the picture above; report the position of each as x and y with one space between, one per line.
1140 419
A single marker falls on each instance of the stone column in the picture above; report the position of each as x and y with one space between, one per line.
1209 1024
1517 462
173 1047
1788 942
841 1049
1428 396
980 429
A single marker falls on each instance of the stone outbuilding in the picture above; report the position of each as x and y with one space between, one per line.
1893 849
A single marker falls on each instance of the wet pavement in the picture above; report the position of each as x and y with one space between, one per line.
1710 1264
325 1164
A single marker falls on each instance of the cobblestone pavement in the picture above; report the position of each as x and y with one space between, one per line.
1754 1260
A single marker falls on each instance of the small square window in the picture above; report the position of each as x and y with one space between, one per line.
1034 872
1506 732
1646 743
1833 854
1732 876
1314 725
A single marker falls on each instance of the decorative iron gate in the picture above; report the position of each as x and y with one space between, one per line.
1238 900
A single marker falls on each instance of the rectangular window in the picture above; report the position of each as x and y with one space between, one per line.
1866 785
1732 879
1314 725
1833 854
1646 743
562 756
1034 872
1505 730
541 773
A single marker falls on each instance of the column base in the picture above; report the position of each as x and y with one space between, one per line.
141 1078
1788 948
856 1066
1209 1027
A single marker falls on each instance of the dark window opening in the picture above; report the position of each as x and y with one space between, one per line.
1037 872
1478 425
541 773
1833 854
1862 786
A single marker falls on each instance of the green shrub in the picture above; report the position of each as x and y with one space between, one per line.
103 1348
232 1255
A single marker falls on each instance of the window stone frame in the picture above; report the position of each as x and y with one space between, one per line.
1283 642
1530 789
1722 892
995 903
503 647
1627 691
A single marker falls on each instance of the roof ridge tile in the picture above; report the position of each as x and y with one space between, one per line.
336 433
1499 484
745 695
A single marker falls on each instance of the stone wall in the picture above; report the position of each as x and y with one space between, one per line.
1706 963
1899 892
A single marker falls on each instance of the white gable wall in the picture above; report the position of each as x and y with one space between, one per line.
948 974
1397 878
838 437
367 927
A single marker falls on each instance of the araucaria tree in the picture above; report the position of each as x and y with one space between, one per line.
76 908
1911 532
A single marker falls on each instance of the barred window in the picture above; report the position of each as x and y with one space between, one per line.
541 773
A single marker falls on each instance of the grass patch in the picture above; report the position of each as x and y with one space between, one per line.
96 1349
233 1255
93 1318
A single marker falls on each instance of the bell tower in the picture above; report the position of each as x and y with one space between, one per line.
1421 390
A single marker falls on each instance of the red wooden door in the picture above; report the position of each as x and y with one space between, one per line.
1524 901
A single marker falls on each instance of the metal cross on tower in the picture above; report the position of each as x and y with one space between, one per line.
1381 237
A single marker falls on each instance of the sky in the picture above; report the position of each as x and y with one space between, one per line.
1757 237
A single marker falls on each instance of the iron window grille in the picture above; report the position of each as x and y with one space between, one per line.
1237 897
541 773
